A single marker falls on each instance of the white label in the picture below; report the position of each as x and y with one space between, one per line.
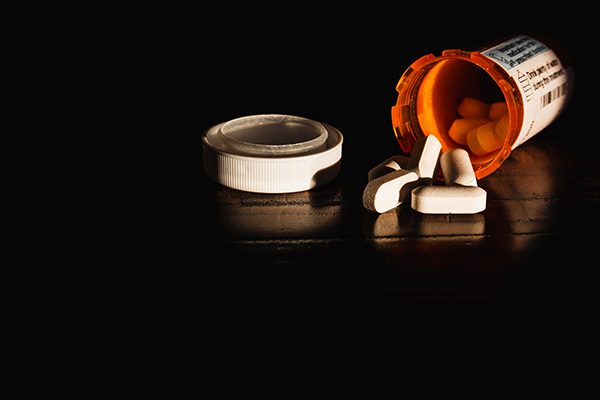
541 78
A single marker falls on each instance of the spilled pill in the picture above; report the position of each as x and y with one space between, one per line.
448 199
389 191
399 179
390 165
424 160
457 168
460 195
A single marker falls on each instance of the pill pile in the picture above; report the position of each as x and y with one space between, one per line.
401 179
483 127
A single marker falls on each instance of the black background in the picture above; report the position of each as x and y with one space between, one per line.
110 104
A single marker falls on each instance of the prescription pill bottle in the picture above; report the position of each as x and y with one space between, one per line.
530 73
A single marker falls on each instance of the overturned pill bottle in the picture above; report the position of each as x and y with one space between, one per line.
487 101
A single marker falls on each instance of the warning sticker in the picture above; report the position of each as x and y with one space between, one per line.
540 78
515 51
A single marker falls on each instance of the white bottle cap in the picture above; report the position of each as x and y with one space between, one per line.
272 153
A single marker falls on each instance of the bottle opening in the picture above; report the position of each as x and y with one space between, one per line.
443 89
431 92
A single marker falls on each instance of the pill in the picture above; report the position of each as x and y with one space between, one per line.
389 191
390 165
462 126
425 159
497 110
448 199
457 168
471 108
501 128
484 139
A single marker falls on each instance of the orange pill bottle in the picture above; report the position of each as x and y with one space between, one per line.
532 74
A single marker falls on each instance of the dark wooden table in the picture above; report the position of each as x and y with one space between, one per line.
127 213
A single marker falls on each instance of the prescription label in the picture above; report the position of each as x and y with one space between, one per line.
541 79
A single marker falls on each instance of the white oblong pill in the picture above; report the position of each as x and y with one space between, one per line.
425 157
390 165
448 199
457 168
389 191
